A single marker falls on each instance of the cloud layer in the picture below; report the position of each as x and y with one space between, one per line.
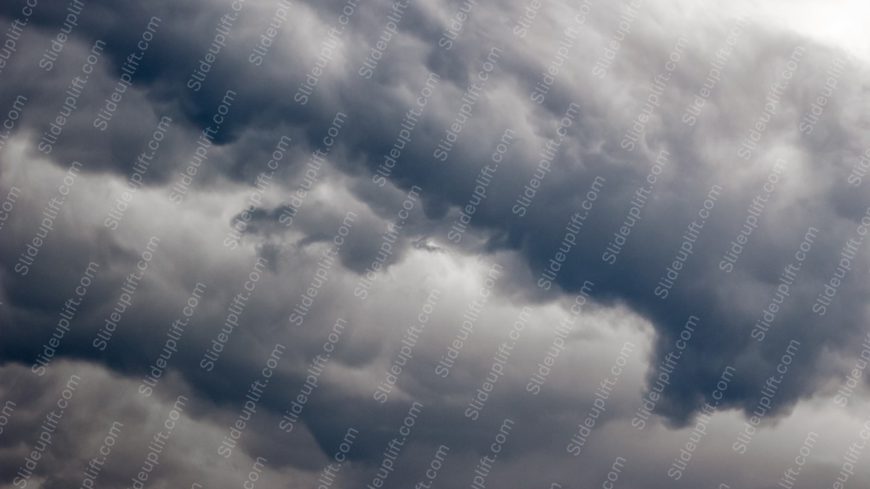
388 243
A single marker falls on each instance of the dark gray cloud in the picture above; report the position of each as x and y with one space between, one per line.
236 183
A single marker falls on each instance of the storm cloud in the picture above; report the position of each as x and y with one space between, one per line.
430 243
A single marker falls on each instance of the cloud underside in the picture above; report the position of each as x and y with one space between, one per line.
691 177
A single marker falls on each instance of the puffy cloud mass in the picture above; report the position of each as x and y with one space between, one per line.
272 243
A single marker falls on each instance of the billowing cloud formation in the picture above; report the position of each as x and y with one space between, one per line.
368 242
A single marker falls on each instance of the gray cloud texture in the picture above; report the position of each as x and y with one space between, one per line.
657 162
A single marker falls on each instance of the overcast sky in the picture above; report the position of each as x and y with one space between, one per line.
419 243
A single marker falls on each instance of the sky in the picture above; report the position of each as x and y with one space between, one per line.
417 243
